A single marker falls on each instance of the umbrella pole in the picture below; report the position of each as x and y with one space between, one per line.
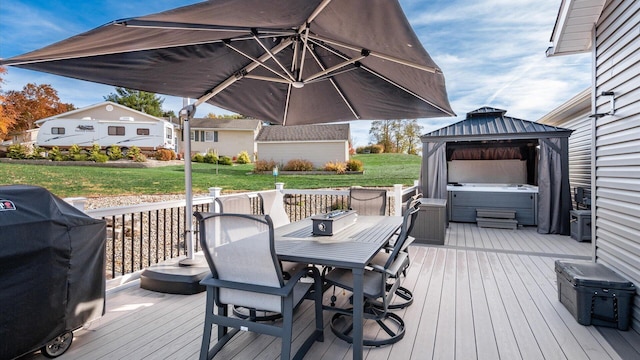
186 114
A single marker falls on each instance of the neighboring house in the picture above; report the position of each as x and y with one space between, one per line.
574 115
26 138
226 137
318 144
610 30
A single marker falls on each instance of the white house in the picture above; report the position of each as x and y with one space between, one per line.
610 30
318 144
226 137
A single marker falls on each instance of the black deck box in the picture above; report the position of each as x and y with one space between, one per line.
595 294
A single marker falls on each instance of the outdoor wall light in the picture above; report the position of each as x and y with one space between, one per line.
612 101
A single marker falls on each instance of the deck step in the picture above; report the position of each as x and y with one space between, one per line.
496 213
497 223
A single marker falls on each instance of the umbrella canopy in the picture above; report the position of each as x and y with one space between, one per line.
284 61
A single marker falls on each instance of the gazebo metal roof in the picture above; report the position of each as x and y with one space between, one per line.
489 123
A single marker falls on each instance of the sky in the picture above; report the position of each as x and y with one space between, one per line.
492 52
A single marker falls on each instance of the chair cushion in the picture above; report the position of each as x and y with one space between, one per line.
259 301
373 286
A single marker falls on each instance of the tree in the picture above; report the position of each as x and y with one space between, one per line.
399 136
146 102
7 113
380 132
33 103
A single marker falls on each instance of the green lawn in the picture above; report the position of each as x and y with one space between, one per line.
66 181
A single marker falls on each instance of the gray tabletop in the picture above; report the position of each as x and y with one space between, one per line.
352 247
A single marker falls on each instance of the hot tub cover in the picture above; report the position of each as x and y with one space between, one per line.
51 268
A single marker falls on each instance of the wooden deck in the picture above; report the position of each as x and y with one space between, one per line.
485 294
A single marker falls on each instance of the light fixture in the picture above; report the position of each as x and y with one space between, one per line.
612 102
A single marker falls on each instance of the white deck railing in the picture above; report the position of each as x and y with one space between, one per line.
141 235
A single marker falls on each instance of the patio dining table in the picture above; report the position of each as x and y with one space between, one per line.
351 248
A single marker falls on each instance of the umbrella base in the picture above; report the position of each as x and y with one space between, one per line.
172 278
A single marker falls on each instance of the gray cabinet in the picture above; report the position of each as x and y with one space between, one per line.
463 204
431 223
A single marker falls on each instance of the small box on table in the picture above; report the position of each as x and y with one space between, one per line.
331 223
595 294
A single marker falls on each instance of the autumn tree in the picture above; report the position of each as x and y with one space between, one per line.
380 133
146 102
33 103
7 113
396 136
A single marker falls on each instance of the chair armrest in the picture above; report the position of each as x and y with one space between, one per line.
395 268
283 291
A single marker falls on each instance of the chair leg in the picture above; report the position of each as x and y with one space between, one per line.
287 328
208 324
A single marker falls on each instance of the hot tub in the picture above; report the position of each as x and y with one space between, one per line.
465 198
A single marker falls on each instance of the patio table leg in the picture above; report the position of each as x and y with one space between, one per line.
358 308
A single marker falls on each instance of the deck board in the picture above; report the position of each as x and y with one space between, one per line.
485 294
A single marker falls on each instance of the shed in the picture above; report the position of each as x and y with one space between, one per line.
316 143
487 134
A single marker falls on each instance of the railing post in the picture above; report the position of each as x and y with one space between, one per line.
77 202
280 186
214 192
397 199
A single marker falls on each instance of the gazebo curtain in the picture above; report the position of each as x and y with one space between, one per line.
433 178
554 196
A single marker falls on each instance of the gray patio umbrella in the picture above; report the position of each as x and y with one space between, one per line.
284 61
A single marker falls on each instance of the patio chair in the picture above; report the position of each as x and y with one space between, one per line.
368 201
237 204
380 285
245 272
272 205
406 296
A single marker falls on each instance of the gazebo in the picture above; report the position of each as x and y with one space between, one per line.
487 136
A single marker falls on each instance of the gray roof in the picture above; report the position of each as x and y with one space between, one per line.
489 123
329 132
224 124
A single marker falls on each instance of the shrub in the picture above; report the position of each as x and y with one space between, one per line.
114 152
263 165
377 149
225 160
55 154
298 165
96 155
355 165
77 154
243 158
136 155
36 153
211 158
338 167
197 158
17 151
341 204
165 155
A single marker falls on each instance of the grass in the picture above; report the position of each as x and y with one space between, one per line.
67 181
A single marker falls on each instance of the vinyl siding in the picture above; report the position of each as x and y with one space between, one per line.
574 115
319 153
617 142
230 143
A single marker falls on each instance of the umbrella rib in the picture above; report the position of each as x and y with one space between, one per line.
258 62
266 78
337 53
430 69
333 68
336 87
234 77
154 24
268 51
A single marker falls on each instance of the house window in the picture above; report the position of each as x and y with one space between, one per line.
142 131
210 136
116 130
169 133
57 130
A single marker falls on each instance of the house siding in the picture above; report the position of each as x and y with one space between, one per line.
616 169
574 115
319 153
230 143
